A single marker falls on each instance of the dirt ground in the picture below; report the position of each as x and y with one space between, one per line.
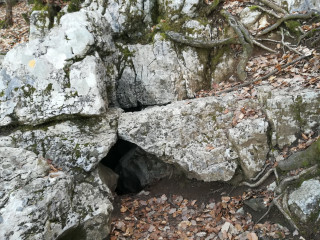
148 214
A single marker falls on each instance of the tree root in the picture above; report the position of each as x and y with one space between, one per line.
258 183
284 213
178 37
285 182
270 12
274 6
245 41
285 18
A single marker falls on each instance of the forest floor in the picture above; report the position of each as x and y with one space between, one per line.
180 208
19 32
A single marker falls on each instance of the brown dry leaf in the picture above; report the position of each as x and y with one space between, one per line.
123 209
226 111
209 147
304 136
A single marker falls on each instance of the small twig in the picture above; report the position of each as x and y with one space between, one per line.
256 184
269 208
262 78
287 45
267 39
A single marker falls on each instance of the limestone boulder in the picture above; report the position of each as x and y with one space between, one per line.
186 133
36 204
304 202
299 5
45 73
129 17
155 74
290 112
70 145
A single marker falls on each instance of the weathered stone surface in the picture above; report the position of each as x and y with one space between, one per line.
71 144
305 201
299 5
185 133
36 204
38 73
193 133
249 17
39 24
156 74
130 17
290 112
176 8
250 138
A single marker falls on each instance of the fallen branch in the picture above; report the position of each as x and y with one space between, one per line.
178 37
264 77
287 45
263 46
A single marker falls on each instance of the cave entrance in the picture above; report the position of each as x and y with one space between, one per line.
135 167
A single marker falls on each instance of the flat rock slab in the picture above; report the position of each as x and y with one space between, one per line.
71 144
210 137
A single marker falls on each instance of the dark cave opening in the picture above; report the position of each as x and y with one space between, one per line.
118 159
135 168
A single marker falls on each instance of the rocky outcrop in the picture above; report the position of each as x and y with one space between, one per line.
201 135
37 204
304 202
46 73
72 144
154 74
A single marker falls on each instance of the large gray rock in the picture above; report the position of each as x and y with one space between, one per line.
299 5
305 201
188 133
71 144
45 73
206 141
130 17
290 112
36 204
39 24
156 74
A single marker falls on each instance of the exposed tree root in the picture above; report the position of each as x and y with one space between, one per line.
284 213
258 183
245 40
274 6
312 171
286 18
198 43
